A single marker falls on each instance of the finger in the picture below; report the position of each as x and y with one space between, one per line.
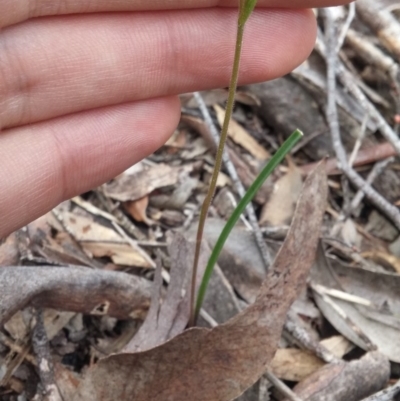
46 163
14 11
63 65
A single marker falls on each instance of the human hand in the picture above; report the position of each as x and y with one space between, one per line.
89 87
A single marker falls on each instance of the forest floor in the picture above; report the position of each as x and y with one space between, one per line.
79 281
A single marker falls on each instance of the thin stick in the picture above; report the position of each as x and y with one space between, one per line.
282 387
376 171
301 335
350 83
350 17
332 116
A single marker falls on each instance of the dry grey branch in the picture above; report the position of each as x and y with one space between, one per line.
77 289
45 366
332 117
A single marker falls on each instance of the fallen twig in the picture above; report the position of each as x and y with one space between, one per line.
332 117
365 156
282 387
346 26
74 288
45 366
348 81
376 171
304 339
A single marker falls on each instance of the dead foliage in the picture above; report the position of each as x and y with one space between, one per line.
231 356
98 289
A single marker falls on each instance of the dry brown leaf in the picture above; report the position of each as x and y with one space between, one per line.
101 241
130 187
178 199
137 209
241 136
222 181
76 289
338 345
350 381
63 250
294 364
375 325
18 327
280 207
120 253
86 229
219 364
177 141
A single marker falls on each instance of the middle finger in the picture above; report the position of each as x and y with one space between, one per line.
59 65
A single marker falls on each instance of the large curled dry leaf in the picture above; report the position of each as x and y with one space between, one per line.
219 364
77 289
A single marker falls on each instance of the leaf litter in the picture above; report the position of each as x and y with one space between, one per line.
122 228
231 356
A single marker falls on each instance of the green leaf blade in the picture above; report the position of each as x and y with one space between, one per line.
240 208
246 8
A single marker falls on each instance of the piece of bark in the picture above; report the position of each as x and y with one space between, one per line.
350 381
220 364
76 289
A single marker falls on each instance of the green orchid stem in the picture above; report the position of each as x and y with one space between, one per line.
251 192
217 165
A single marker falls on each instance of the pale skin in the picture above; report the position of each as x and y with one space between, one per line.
89 88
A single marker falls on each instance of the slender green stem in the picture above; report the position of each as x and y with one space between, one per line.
217 165
251 192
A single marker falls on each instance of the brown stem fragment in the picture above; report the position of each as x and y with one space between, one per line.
218 162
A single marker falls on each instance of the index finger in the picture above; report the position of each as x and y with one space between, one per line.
14 11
